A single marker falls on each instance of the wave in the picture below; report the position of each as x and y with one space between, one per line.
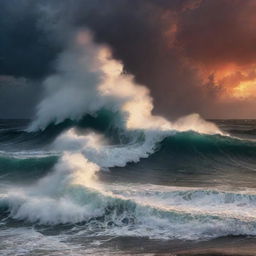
71 193
156 212
154 145
115 147
194 143
95 117
105 121
25 167
102 121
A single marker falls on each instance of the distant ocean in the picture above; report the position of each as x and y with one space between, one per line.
135 192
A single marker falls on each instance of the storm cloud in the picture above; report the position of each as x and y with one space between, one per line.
191 54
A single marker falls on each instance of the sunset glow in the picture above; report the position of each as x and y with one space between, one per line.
245 89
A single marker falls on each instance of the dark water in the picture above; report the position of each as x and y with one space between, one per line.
89 188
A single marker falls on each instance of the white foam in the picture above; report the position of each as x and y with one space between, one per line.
52 200
27 241
95 147
231 204
71 195
29 154
88 78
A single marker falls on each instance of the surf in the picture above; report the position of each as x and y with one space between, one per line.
95 120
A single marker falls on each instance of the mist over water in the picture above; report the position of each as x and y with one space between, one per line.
96 163
88 79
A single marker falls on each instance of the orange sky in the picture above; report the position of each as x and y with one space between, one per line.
218 39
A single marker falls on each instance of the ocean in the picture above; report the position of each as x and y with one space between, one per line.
89 187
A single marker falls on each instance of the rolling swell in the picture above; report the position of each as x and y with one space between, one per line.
25 168
111 124
178 149
103 121
188 142
155 212
192 159
195 143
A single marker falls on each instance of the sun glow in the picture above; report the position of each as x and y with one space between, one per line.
245 89
231 81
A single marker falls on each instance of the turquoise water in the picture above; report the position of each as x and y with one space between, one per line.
89 188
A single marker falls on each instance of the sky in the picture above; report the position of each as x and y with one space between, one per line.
195 56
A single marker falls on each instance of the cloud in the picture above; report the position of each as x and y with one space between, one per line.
18 97
25 49
218 32
218 38
192 54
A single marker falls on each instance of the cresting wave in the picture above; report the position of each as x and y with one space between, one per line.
153 211
88 79
115 126
161 149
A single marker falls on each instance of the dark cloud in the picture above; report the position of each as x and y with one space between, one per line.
177 48
18 97
219 32
25 50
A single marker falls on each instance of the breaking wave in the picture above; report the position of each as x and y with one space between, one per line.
93 118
